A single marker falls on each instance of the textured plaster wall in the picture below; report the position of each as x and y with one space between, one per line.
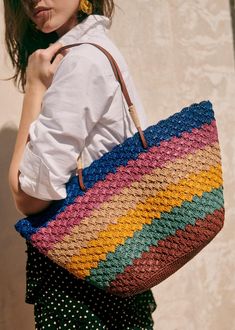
179 52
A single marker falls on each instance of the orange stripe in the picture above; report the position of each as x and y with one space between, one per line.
164 201
160 178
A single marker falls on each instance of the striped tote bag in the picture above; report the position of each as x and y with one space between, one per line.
140 212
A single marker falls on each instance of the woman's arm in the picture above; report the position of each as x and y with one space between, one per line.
40 72
31 108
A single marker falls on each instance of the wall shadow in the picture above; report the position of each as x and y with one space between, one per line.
15 313
232 12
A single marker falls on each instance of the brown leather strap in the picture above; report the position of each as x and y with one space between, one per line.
131 107
113 63
119 77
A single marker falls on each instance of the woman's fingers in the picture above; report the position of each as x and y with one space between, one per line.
56 62
43 63
53 48
55 56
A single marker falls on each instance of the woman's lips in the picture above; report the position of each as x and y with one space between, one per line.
41 12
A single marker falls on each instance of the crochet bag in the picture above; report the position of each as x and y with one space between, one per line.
143 210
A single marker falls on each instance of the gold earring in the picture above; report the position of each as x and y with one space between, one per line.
85 6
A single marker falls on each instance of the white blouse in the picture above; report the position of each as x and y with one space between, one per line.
83 111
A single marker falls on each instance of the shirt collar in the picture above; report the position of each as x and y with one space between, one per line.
90 25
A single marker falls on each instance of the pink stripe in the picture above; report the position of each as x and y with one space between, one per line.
145 163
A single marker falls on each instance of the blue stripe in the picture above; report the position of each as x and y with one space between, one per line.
187 119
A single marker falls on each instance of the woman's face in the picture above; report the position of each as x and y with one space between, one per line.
53 15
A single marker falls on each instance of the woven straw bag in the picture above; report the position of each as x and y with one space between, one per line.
143 210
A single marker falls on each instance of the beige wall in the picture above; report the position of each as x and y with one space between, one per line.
179 52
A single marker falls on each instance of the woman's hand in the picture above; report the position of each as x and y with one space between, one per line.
40 70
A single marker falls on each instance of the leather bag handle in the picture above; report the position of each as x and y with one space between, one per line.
131 107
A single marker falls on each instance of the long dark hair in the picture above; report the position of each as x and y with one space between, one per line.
22 38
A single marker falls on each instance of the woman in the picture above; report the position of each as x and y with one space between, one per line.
72 105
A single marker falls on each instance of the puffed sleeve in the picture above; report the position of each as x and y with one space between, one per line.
78 96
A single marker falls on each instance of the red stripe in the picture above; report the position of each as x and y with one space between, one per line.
157 264
102 191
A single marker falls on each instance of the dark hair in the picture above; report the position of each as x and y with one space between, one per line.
22 38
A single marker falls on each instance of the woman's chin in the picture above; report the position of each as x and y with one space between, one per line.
48 26
47 29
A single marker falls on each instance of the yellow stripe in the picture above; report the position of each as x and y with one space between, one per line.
125 200
164 201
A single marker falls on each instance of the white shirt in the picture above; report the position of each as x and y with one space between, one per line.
83 111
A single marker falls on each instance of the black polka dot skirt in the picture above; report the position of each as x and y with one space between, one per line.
61 301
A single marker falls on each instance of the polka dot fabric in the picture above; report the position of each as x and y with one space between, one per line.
61 301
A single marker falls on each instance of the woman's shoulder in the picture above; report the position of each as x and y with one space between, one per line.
87 55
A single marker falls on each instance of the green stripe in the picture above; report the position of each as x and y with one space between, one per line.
159 229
